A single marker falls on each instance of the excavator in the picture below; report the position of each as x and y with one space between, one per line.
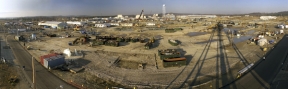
77 28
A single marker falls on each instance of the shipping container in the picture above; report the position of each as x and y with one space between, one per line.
46 62
54 61
46 56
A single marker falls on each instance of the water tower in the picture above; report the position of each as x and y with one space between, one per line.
163 11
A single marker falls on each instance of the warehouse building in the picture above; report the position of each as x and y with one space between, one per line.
103 25
267 17
76 23
53 24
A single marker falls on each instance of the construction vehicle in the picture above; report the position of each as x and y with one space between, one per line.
19 38
149 44
28 47
140 15
77 28
81 40
142 40
152 40
137 24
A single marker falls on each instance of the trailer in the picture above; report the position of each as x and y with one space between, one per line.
244 70
21 30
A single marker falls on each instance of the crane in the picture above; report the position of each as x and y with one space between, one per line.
140 14
139 18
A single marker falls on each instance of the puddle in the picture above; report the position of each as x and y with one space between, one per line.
241 39
196 33
250 32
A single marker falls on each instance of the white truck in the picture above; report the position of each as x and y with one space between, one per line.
21 30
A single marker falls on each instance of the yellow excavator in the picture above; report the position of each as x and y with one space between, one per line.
77 28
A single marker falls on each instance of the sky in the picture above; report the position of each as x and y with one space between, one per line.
20 8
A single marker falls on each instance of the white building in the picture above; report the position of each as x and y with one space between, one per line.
53 24
75 23
119 16
170 16
127 24
101 25
142 16
267 17
114 24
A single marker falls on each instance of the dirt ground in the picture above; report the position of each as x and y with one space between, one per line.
207 53
7 72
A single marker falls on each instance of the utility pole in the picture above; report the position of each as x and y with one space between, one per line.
33 72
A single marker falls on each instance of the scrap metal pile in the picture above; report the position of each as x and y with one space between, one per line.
171 58
173 30
114 41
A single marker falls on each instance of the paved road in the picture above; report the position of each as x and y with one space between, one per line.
264 72
44 79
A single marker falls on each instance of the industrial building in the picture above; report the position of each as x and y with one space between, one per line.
103 25
267 17
170 17
142 16
53 24
75 23
114 24
119 16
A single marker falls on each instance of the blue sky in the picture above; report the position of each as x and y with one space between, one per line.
18 8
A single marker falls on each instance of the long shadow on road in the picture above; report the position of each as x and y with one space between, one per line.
206 49
223 57
202 56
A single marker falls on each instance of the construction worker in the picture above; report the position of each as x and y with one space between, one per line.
23 67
